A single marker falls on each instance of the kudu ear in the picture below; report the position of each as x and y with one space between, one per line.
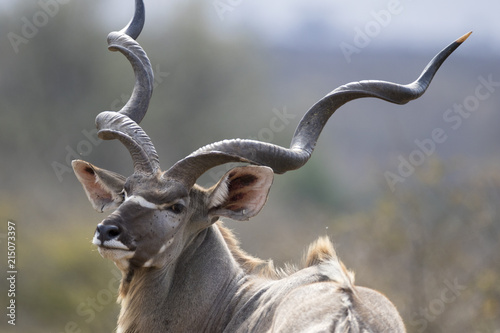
103 188
241 193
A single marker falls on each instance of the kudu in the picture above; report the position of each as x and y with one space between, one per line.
183 271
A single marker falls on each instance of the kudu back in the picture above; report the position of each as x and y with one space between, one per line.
183 271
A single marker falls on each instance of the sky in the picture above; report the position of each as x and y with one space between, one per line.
405 23
402 22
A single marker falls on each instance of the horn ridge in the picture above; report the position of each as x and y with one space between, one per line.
114 125
134 28
124 42
124 124
137 106
282 159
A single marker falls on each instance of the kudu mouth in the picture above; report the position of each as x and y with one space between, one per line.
109 245
108 236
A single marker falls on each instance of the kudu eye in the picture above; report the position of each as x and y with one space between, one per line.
176 208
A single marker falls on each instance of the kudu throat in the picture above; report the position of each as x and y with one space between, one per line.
204 279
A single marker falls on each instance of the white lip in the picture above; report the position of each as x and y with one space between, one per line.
109 244
119 257
115 254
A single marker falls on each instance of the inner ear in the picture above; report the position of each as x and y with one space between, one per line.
103 187
241 193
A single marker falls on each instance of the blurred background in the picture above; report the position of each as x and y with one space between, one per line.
409 194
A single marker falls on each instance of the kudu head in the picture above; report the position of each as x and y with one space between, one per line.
157 214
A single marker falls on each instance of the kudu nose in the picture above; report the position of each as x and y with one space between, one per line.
107 232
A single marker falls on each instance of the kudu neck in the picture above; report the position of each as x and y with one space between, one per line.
196 290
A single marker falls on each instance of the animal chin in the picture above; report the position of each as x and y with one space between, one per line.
119 256
114 252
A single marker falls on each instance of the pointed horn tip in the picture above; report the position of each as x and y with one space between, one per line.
76 163
463 38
